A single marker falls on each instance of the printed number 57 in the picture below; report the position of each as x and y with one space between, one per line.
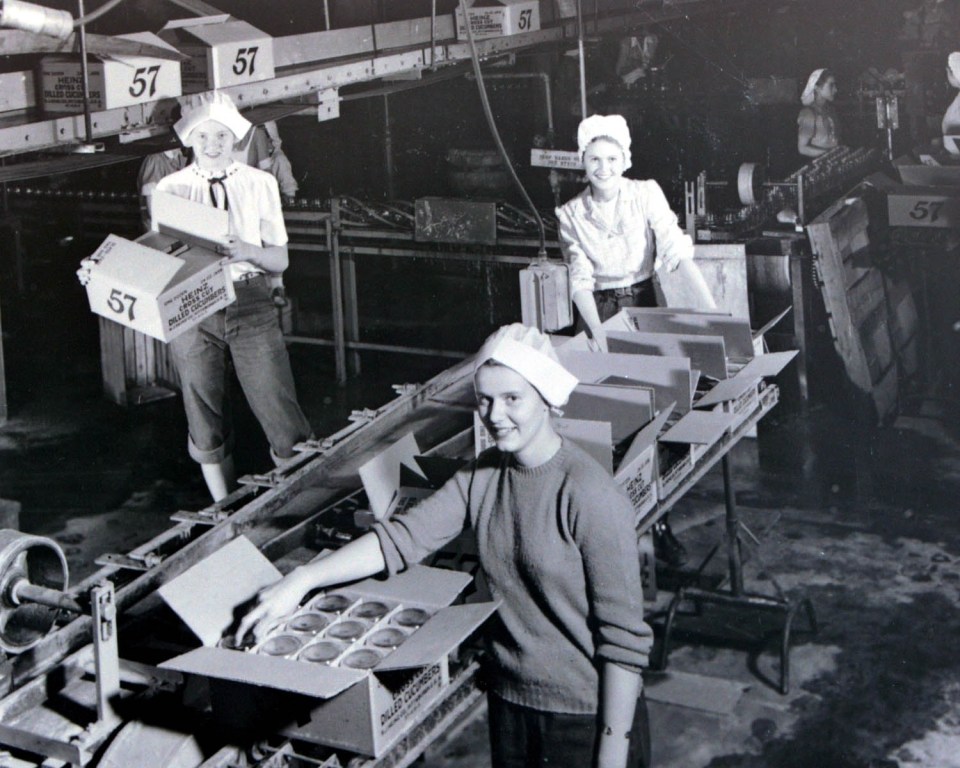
116 303
524 20
245 61
140 78
925 208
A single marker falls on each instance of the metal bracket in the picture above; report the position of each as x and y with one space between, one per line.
209 516
130 562
403 390
106 656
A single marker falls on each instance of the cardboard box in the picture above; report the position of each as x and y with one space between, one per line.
223 51
686 442
736 333
739 395
671 378
495 18
915 206
399 476
166 281
115 82
362 710
17 91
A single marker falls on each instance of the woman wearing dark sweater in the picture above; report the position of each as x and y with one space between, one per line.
557 546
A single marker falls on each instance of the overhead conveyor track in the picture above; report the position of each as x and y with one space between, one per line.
351 56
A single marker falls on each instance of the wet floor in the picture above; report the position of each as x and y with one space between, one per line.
859 519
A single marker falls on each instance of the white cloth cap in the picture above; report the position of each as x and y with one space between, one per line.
212 105
610 126
953 61
806 98
528 352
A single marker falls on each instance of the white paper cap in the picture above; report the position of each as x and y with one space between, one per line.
212 105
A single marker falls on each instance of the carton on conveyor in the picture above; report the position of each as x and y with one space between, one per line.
326 702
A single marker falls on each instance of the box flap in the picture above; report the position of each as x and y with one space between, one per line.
699 428
445 630
142 37
736 333
130 263
436 471
669 376
705 352
381 474
594 437
645 437
626 408
206 595
195 222
266 671
420 585
230 31
197 21
762 365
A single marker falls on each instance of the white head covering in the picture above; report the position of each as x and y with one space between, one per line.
953 61
806 98
212 105
530 353
609 126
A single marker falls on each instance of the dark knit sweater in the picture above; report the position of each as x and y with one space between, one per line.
557 545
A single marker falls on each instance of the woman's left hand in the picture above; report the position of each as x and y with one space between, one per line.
235 249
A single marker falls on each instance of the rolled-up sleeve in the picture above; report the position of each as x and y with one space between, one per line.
412 535
673 244
611 559
580 266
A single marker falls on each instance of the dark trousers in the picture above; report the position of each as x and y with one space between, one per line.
521 737
611 300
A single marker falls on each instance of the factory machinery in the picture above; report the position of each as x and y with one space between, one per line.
69 686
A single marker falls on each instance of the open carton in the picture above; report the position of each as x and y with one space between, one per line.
363 710
167 280
399 476
223 51
115 81
738 339
740 394
684 444
671 378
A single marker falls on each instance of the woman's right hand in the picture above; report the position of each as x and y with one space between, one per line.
273 603
597 340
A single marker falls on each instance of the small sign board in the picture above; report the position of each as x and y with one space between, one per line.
495 18
561 159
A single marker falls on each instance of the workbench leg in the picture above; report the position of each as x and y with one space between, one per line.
336 299
799 293
351 311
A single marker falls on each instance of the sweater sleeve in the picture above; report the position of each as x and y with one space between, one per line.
607 540
673 244
412 535
581 268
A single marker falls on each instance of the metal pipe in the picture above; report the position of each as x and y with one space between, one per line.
85 76
583 64
387 147
326 14
25 592
369 346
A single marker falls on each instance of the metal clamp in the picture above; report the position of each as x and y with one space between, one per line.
130 562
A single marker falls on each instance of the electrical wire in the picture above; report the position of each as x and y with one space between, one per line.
94 15
488 113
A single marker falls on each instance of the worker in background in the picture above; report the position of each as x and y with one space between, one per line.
247 329
818 129
614 236
635 57
950 125
557 547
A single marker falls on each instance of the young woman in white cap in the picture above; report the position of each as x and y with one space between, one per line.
615 235
557 547
247 329
617 231
818 129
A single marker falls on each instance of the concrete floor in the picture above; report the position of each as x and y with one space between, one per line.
861 520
